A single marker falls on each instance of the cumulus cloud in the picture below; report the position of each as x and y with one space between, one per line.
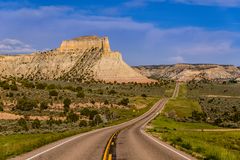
140 43
13 46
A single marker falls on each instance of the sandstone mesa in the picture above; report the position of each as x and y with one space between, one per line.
81 59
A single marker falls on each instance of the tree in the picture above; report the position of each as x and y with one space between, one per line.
26 104
124 101
80 94
23 123
41 85
53 93
43 106
1 106
97 119
66 104
144 95
36 124
72 117
51 86
83 123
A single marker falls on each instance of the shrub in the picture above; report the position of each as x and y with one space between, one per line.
66 103
85 112
36 124
43 105
41 85
112 92
97 119
26 104
53 93
13 87
1 106
72 117
51 86
124 101
79 89
23 123
28 84
106 102
144 95
5 86
80 94
83 123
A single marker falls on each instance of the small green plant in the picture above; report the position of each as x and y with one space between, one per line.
72 117
124 101
26 104
53 93
80 94
1 106
83 123
36 124
66 104
23 123
43 105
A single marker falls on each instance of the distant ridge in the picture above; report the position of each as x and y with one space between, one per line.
186 72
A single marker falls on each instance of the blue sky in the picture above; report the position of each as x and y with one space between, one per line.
145 31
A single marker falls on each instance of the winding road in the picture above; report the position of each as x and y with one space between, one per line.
129 141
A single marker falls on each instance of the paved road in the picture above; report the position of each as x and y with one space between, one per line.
132 143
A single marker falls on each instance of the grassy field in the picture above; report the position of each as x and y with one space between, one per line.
188 136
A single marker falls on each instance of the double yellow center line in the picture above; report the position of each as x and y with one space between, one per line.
107 154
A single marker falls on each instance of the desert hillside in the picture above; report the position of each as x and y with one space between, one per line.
81 59
187 72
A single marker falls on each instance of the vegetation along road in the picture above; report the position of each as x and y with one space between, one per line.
124 141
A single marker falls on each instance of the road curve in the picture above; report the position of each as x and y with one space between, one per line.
132 143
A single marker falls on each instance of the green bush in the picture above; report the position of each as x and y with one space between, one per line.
66 103
13 87
41 85
83 123
23 123
51 86
43 105
26 104
1 106
80 94
124 101
53 93
72 117
36 124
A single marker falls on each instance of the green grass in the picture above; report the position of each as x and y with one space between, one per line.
12 145
218 145
184 135
183 107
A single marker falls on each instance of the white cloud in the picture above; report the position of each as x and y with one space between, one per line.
13 46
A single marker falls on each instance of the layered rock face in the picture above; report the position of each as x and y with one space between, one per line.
188 72
80 59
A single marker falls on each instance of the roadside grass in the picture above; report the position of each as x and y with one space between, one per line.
184 135
182 107
16 144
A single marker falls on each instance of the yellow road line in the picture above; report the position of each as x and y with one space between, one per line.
106 155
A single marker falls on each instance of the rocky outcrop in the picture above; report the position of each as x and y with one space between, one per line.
188 72
80 59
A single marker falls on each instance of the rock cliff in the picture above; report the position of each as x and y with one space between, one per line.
188 72
80 59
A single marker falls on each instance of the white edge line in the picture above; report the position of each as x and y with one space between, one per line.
97 130
157 141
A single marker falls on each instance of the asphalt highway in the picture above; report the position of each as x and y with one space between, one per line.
132 143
